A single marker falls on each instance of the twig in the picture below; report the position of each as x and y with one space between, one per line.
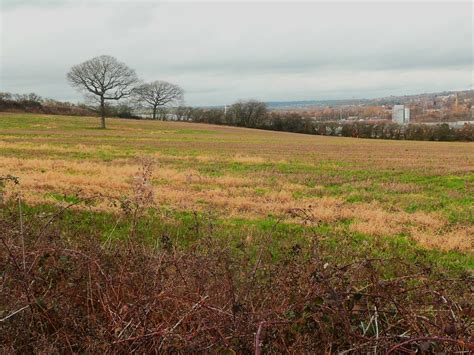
12 314
195 306
257 338
258 345
57 214
469 346
22 234
108 239
123 330
376 315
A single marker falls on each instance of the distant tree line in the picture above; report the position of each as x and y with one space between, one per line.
33 103
254 114
250 114
36 104
416 131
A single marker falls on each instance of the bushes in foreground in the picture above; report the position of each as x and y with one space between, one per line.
69 291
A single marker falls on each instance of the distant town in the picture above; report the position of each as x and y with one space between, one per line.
449 106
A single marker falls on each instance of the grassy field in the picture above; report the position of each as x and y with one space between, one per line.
184 237
421 190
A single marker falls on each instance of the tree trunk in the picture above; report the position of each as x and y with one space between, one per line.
154 112
102 112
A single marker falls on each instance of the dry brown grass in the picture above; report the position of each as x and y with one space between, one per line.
460 239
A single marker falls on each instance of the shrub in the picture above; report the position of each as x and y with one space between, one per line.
66 291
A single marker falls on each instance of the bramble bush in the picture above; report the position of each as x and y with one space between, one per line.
65 290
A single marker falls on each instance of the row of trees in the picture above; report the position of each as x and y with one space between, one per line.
253 114
421 132
104 79
36 104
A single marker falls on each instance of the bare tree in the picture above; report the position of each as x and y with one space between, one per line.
5 96
158 93
182 113
105 78
249 113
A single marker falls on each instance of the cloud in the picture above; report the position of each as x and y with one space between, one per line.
222 52
13 4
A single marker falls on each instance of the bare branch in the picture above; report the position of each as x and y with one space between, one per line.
158 93
104 77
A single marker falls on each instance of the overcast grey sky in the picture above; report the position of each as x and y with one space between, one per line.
223 51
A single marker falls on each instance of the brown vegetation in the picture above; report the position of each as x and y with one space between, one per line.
72 293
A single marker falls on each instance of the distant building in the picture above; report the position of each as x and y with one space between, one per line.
407 115
400 114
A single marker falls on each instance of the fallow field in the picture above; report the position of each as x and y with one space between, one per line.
268 196
420 190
